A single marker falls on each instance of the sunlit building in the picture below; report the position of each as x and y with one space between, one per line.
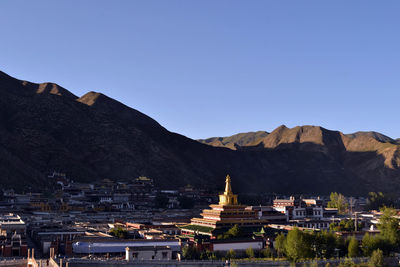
224 215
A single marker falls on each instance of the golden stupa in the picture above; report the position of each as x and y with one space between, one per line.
228 198
223 215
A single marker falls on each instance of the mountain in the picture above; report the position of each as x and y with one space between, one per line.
236 141
369 159
44 127
374 135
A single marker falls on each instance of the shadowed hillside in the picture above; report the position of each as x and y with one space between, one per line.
44 127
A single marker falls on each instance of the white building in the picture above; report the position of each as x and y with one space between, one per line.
148 253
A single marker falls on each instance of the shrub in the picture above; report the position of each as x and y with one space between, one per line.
119 232
266 253
231 254
250 252
352 250
376 259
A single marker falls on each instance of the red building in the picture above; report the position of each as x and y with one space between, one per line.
13 247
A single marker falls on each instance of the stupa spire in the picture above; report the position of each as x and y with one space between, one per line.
228 188
228 198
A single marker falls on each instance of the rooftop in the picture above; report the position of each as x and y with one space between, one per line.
149 248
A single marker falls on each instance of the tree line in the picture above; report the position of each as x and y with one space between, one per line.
299 245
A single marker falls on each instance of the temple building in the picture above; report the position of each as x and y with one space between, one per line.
223 216
305 213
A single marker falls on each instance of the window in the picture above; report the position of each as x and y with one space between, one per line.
164 255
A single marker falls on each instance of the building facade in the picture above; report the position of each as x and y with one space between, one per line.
224 215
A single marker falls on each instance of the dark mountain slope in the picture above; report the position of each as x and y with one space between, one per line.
93 137
43 127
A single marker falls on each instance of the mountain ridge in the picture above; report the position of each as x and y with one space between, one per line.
242 139
44 127
284 137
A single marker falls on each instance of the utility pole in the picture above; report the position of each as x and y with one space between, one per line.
351 201
355 222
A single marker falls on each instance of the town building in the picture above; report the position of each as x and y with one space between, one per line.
12 236
60 239
269 214
117 247
224 215
148 253
297 208
305 213
14 246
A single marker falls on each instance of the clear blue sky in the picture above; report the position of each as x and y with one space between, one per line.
215 68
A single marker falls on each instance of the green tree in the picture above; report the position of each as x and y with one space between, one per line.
324 244
203 255
207 255
266 253
231 254
368 244
347 263
119 232
330 245
377 200
376 259
212 256
341 246
250 252
338 201
372 243
344 225
313 263
233 232
280 244
297 246
190 253
389 226
352 250
349 225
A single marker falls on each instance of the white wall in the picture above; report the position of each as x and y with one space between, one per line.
46 247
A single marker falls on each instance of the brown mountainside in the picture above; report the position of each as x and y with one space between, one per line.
307 137
44 127
237 140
